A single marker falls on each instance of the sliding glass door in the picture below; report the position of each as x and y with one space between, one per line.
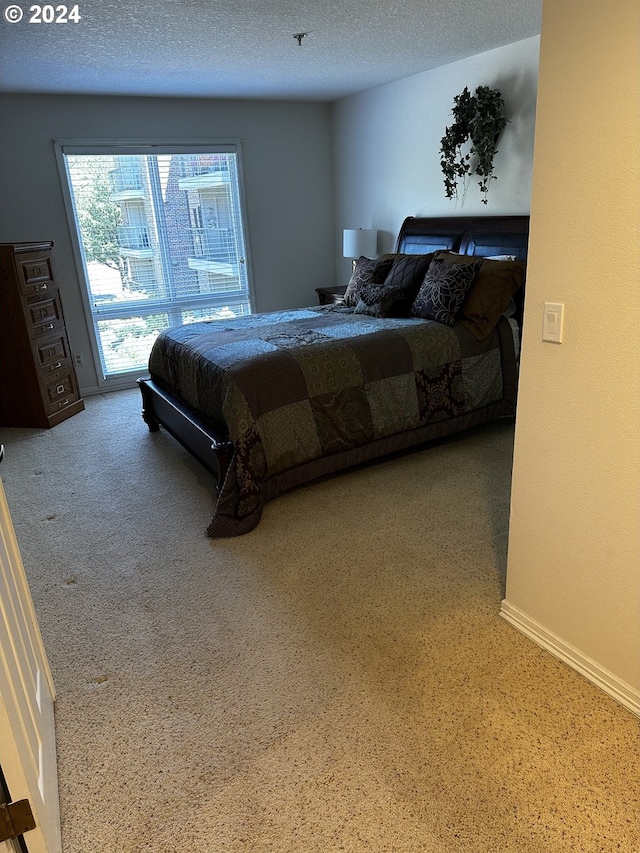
161 237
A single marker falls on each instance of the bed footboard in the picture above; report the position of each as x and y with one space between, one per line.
210 447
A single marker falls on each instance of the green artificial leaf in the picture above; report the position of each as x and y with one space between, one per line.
478 120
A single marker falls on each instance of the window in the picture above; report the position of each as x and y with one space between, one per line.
160 242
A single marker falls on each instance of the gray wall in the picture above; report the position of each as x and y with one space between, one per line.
387 144
287 177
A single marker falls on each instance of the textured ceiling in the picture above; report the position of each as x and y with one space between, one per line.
246 48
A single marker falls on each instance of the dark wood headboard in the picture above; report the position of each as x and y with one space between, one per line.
469 235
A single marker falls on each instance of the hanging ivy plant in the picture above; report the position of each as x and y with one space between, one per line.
478 119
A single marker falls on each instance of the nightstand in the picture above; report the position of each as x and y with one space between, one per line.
330 295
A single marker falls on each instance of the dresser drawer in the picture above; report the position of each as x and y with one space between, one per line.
52 353
35 273
45 314
60 390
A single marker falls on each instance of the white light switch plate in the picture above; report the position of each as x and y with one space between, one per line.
553 321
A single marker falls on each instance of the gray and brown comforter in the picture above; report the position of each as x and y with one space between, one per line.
307 392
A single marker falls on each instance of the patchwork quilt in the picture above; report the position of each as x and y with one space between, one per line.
303 387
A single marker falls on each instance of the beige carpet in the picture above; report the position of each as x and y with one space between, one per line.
337 680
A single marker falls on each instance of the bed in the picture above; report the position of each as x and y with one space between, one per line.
424 346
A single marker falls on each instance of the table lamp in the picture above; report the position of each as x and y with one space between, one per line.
359 241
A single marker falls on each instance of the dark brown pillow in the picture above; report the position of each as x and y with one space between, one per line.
490 293
408 271
394 296
405 277
379 300
366 271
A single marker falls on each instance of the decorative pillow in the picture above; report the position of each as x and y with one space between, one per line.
490 294
379 300
408 271
443 291
366 271
395 297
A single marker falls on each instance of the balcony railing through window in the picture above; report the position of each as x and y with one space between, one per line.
205 165
133 237
125 178
214 244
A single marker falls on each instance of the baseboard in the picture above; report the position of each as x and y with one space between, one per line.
121 384
90 390
606 681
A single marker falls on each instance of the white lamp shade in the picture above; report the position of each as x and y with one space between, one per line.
359 241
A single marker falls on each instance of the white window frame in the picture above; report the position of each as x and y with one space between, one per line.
64 147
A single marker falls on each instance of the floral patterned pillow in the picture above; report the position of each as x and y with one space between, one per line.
394 296
443 291
366 271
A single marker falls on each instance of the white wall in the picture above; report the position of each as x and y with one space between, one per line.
387 143
287 166
574 546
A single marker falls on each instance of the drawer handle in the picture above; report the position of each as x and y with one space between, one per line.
41 286
59 389
47 327
56 366
63 403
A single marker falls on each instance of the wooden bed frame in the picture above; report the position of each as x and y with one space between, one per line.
477 235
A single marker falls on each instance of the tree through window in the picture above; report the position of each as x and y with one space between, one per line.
162 243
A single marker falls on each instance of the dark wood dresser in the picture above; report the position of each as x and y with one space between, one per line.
38 383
